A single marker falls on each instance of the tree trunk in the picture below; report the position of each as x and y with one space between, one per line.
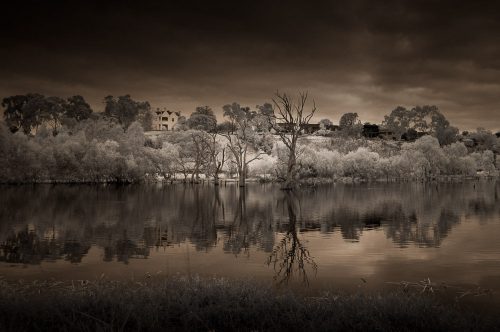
241 179
290 173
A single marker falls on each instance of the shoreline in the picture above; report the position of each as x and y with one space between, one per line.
304 181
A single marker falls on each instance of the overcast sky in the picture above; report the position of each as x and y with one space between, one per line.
353 56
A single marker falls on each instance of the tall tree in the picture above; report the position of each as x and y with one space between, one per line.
242 141
423 119
125 110
350 124
53 111
288 120
324 123
202 118
24 112
14 113
398 121
77 108
215 155
261 119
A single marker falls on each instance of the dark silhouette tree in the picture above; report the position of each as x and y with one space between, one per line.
77 108
125 110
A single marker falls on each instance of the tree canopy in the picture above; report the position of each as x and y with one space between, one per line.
202 118
422 119
28 112
125 110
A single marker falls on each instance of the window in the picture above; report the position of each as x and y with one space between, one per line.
164 118
172 119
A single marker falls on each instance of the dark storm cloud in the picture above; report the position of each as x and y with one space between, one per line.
361 56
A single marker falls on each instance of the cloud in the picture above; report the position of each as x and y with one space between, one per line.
352 56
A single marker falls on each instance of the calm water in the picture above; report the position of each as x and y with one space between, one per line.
331 236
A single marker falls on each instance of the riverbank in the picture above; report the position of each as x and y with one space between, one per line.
190 304
307 181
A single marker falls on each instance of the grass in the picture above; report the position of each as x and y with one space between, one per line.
215 304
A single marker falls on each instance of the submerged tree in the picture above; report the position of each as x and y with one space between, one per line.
215 156
288 121
242 142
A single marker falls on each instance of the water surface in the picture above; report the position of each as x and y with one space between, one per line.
342 235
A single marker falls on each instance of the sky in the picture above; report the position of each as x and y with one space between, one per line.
350 56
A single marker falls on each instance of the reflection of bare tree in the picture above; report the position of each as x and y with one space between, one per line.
290 254
65 220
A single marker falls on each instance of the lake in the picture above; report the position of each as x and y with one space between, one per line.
331 236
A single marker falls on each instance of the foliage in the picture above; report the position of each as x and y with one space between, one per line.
31 111
125 111
350 125
202 118
421 119
97 149
242 144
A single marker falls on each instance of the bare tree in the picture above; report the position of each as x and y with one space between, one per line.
288 121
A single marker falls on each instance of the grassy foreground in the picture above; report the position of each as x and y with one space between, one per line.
215 304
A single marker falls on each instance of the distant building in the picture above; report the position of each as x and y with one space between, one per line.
332 127
307 128
164 119
469 142
375 131
310 128
370 130
388 134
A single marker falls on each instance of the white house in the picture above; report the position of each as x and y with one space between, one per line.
164 119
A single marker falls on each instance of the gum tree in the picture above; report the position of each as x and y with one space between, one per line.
241 143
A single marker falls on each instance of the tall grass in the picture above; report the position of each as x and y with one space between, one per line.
215 304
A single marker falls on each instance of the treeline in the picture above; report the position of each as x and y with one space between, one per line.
30 112
80 145
368 160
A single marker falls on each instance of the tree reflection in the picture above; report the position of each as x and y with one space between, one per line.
26 247
126 222
124 249
237 233
290 255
